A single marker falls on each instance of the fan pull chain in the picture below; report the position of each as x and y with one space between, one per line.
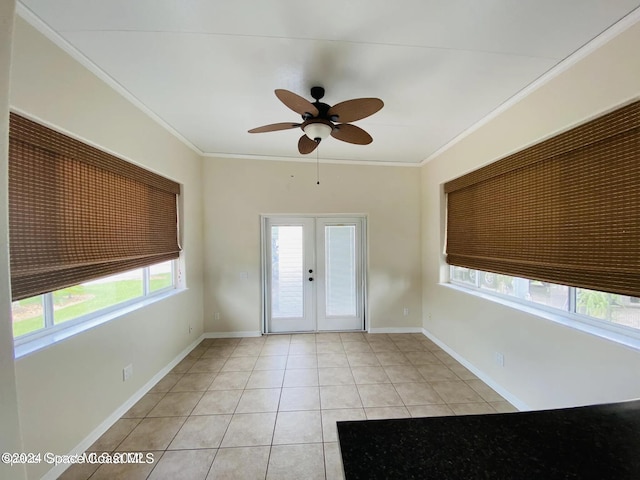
317 166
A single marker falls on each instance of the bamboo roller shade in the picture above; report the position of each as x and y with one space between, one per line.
77 213
566 210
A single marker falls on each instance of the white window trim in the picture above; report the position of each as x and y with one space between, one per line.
31 345
51 334
629 337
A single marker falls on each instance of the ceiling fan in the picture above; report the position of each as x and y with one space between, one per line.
320 120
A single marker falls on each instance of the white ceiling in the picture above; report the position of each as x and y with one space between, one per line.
208 68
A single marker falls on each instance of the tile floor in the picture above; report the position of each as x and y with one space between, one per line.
266 408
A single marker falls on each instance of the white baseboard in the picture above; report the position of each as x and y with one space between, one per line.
252 333
56 471
512 399
396 330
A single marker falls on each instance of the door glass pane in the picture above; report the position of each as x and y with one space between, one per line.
340 268
286 271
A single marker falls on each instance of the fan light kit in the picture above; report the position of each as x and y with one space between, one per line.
320 120
317 131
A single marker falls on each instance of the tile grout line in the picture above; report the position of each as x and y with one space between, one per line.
401 349
275 422
182 425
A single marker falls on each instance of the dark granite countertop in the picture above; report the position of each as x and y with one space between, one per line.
600 442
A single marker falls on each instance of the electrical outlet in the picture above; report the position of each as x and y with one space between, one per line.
127 372
216 316
405 311
499 359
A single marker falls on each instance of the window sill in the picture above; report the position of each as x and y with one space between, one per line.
45 340
610 332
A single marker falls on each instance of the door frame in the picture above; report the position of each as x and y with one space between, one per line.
264 281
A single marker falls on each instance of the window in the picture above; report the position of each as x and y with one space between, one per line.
56 310
565 211
601 307
89 233
160 276
78 214
619 309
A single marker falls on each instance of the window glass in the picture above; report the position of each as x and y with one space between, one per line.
160 276
620 309
340 270
45 311
495 282
287 258
79 300
27 315
549 294
463 275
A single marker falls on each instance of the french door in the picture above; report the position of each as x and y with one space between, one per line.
313 273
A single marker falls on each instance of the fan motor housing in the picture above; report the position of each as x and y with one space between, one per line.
317 93
323 108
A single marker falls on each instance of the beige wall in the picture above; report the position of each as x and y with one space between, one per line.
238 191
10 437
67 390
546 364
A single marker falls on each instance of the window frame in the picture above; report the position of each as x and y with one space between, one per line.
552 214
52 332
628 336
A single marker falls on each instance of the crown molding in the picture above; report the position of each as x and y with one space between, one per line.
587 49
86 141
25 13
623 24
310 160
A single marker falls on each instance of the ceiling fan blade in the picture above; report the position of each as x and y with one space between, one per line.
357 109
297 103
274 127
351 134
306 145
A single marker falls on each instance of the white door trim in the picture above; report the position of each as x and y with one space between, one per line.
264 259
